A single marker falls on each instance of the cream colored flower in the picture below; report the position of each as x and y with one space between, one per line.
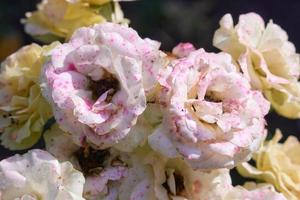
37 175
23 109
277 164
266 57
56 19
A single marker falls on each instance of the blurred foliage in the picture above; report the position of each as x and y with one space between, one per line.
172 21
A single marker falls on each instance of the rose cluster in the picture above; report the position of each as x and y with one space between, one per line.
122 119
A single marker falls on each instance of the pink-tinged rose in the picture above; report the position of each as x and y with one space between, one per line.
97 83
38 175
212 117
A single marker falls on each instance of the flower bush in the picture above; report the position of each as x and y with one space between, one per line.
122 119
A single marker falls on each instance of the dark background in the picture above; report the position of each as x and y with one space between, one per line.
171 22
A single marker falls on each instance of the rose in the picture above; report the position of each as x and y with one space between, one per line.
38 175
212 117
23 109
277 164
266 58
105 176
152 176
102 169
56 19
97 82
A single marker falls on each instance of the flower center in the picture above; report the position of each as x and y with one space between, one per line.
91 160
107 83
